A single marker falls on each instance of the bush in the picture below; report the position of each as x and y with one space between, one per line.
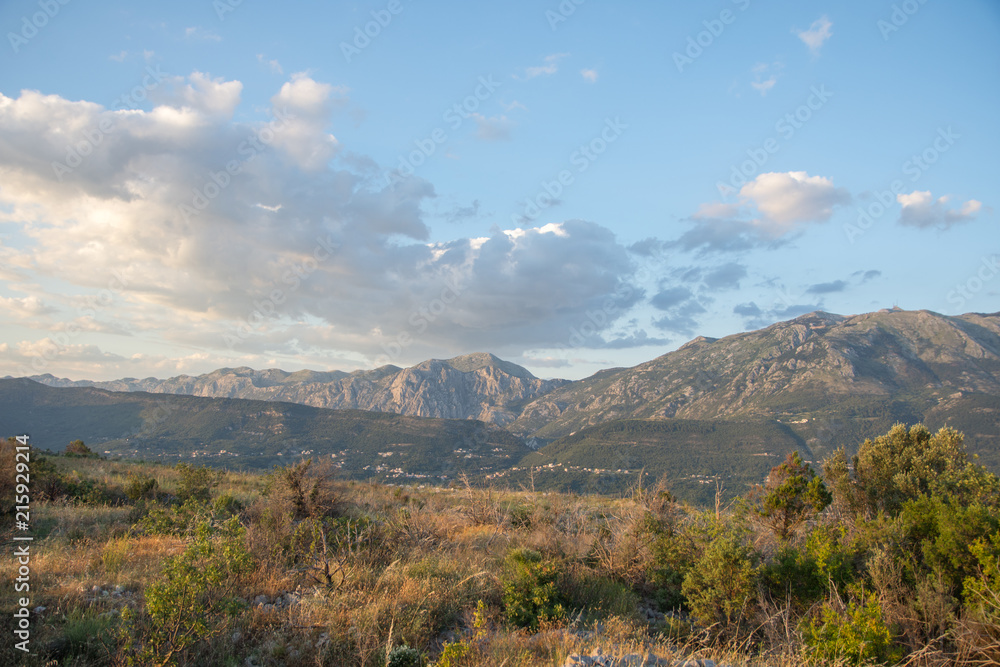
176 520
858 635
192 596
530 595
226 505
722 583
196 482
980 632
906 464
404 656
794 575
674 554
454 655
77 448
139 485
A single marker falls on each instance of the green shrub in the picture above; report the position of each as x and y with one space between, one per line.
674 553
226 505
530 595
173 520
196 482
454 655
859 635
139 485
722 583
794 575
405 656
833 554
190 600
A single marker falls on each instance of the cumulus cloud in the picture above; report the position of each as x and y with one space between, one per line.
550 67
589 75
789 199
771 206
252 238
816 35
309 103
921 210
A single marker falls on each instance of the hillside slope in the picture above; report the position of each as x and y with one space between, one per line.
252 434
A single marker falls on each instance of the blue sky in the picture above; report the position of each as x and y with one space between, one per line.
191 185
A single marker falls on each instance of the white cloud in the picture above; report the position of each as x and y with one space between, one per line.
273 65
787 200
816 35
771 207
310 103
119 57
550 67
199 33
921 210
495 128
349 259
589 75
212 96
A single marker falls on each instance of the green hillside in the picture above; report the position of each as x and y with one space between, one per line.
691 454
239 433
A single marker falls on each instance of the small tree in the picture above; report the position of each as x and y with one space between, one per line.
77 448
790 496
905 464
195 591
308 487
722 583
196 482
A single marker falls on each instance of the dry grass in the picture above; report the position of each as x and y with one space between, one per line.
408 566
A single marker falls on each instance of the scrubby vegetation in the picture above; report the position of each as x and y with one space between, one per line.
890 556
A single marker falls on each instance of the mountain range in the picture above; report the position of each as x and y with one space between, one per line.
814 383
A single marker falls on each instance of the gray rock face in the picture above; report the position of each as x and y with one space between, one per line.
813 360
475 386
